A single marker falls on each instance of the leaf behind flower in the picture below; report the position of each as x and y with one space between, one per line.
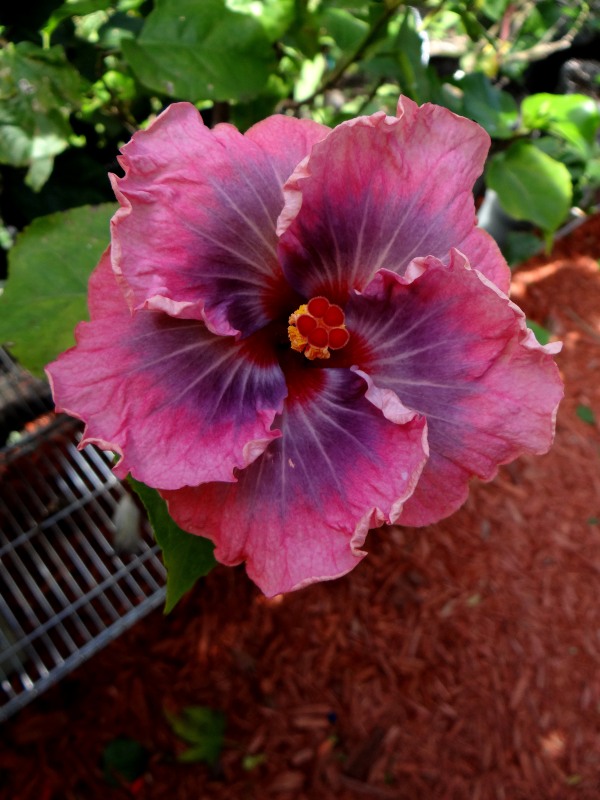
46 293
187 557
198 51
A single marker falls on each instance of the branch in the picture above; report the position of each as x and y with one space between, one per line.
331 80
458 46
543 49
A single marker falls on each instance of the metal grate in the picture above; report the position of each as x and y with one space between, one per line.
65 591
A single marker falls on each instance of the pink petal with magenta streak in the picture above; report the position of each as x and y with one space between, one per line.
378 192
177 403
195 234
453 347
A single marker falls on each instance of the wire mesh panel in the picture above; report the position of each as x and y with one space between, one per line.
65 588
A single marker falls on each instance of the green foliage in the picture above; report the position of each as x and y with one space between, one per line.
71 9
201 51
252 761
586 414
493 9
202 728
38 91
541 334
531 185
275 16
574 118
310 76
187 557
521 245
128 57
494 109
47 292
123 760
344 28
411 58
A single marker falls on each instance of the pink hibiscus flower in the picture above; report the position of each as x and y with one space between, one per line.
299 334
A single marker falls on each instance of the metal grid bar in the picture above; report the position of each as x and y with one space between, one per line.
64 590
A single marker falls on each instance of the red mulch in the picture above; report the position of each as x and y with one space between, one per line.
458 662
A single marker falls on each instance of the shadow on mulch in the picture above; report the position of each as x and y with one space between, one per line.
460 661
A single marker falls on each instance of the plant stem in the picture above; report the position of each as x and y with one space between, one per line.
329 81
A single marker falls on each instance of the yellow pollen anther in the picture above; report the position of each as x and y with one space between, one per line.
318 327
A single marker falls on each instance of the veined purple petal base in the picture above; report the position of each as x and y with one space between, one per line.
301 512
453 347
380 191
195 234
179 404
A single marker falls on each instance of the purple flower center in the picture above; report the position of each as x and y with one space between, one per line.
318 327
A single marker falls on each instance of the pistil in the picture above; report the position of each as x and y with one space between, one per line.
318 327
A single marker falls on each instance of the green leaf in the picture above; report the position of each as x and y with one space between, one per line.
541 334
493 9
310 77
346 30
71 9
519 246
120 85
187 557
118 27
243 115
39 171
275 16
201 51
492 108
574 118
45 295
586 414
253 760
475 30
201 727
592 172
411 59
123 760
38 91
531 185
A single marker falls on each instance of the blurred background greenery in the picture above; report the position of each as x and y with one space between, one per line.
78 78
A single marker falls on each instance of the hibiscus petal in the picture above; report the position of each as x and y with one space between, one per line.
195 235
484 255
179 404
454 348
301 512
104 297
378 192
286 140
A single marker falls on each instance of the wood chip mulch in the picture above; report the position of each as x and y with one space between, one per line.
459 662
